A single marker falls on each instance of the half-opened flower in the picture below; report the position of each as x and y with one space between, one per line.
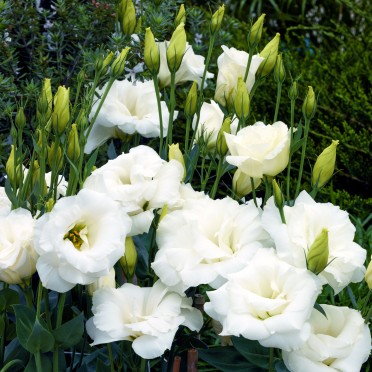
340 342
206 241
269 301
141 181
80 240
191 68
17 254
260 149
304 222
148 316
130 107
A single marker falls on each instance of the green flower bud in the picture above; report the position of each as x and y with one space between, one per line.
176 48
73 147
61 112
117 67
55 156
106 63
317 257
368 276
151 53
221 145
269 54
129 260
309 106
128 20
36 179
175 153
191 100
49 205
44 107
293 91
241 102
324 166
242 184
20 119
13 170
279 71
216 20
278 195
256 32
181 16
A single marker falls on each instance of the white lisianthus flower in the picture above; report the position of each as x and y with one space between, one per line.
128 108
206 241
304 222
149 317
260 149
232 64
269 301
191 68
80 240
61 184
340 342
141 181
210 122
17 254
5 203
103 282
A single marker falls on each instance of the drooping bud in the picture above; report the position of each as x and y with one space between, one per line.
279 71
128 20
176 48
269 54
368 276
221 145
44 107
309 105
129 260
241 102
176 154
151 53
61 112
242 184
324 166
55 157
217 18
293 91
317 257
191 100
20 119
107 281
181 16
73 147
256 32
118 65
13 170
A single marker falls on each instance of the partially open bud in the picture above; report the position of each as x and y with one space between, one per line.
368 276
317 257
241 103
324 166
256 32
13 170
55 157
20 119
107 281
61 112
221 145
242 184
128 20
129 260
293 91
176 154
269 54
216 20
309 106
176 48
44 106
279 71
73 147
181 16
151 53
191 100
117 67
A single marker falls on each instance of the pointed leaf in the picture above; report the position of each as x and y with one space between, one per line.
252 351
25 318
40 338
8 297
69 333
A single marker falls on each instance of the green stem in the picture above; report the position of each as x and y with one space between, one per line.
39 298
47 310
271 359
250 56
38 362
369 314
172 106
268 192
161 135
188 126
112 366
205 181
290 151
218 177
2 340
278 97
254 192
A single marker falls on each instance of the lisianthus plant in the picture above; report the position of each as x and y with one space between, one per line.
152 221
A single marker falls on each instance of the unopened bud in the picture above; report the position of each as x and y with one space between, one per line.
73 147
106 63
49 205
216 20
118 65
242 184
241 102
191 100
176 48
13 168
107 281
61 111
269 54
181 16
128 20
175 153
20 119
317 257
293 91
36 179
44 107
221 145
279 71
55 157
368 276
129 260
151 53
256 32
278 195
309 106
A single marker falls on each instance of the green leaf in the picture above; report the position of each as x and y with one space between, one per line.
25 318
90 164
8 297
102 367
280 366
296 145
69 333
320 309
45 363
252 351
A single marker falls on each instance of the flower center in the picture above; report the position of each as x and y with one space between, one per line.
77 235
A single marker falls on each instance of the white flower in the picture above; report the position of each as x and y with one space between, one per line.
269 301
232 64
127 109
5 203
80 240
102 282
304 222
141 181
210 122
149 317
17 254
61 184
205 241
340 342
191 69
260 149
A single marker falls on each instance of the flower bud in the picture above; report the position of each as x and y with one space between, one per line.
181 16
279 71
191 100
176 48
216 20
107 281
278 195
293 91
36 179
256 32
128 20
324 166
73 147
129 260
61 112
106 63
242 184
151 53
164 212
368 276
175 153
241 103
20 119
44 107
117 67
309 106
317 257
55 157
221 145
269 54
49 205
13 171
